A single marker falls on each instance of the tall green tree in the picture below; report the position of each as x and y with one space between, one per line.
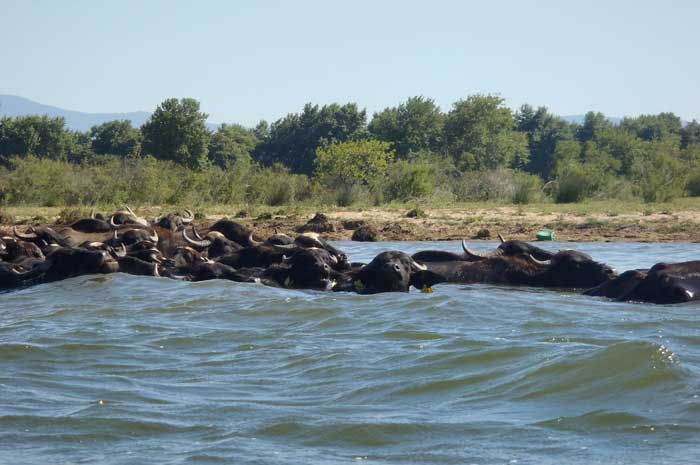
231 144
690 134
414 125
343 164
294 139
41 136
177 131
115 138
480 134
544 131
654 127
593 124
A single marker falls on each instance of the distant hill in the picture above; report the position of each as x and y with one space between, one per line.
579 119
12 105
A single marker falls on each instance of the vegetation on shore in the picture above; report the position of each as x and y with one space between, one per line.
331 156
607 220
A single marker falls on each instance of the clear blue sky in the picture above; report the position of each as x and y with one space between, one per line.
245 61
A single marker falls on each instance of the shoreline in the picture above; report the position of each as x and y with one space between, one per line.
581 223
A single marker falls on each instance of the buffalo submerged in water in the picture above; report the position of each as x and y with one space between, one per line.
228 250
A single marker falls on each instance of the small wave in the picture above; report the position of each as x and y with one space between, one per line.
20 350
619 369
602 420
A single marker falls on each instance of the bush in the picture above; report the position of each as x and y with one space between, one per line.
573 186
409 180
693 184
659 178
527 188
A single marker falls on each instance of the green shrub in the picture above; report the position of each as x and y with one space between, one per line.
409 180
693 184
527 188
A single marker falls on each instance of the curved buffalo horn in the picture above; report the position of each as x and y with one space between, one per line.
130 210
419 266
112 223
189 218
122 251
475 254
252 241
154 237
200 244
501 238
24 236
539 262
284 246
92 213
116 235
196 234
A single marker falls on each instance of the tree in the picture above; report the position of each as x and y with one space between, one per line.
115 138
621 145
690 134
41 136
343 164
593 124
659 174
231 144
177 131
479 134
544 131
654 127
293 140
413 126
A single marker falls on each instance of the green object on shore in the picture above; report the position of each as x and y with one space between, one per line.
545 236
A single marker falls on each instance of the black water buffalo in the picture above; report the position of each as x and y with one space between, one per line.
661 284
215 243
11 276
42 237
174 222
130 237
126 217
92 225
314 240
565 269
235 232
136 266
64 262
506 248
390 271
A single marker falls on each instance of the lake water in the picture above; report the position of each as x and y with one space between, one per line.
129 370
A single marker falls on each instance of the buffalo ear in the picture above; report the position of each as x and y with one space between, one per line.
425 279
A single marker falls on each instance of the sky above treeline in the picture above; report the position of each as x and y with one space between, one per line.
247 61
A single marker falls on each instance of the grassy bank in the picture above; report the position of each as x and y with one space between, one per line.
590 221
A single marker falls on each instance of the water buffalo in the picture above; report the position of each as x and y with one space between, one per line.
506 248
11 276
42 237
390 271
66 262
661 284
565 269
92 224
126 217
174 222
135 266
235 232
215 243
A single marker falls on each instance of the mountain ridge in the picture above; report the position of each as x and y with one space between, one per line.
14 105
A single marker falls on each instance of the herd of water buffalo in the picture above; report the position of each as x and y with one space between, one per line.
125 242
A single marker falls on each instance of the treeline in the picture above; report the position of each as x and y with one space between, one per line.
332 154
